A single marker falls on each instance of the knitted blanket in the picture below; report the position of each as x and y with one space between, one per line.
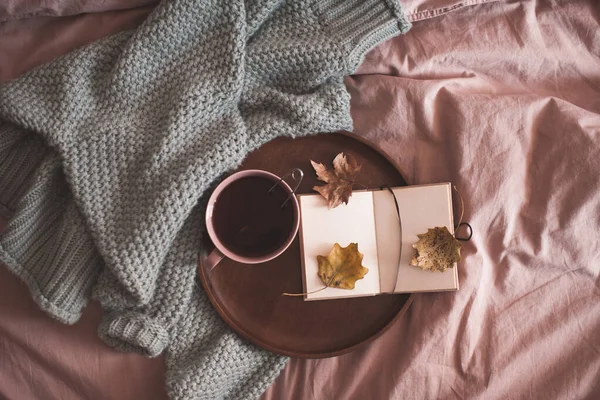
105 153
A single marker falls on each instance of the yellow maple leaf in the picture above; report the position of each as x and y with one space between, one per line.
342 267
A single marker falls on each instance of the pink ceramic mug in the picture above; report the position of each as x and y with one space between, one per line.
221 251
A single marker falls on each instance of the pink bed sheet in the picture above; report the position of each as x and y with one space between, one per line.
503 100
21 9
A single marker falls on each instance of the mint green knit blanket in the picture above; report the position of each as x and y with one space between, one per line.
105 153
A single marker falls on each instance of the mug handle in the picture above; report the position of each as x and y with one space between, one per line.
213 259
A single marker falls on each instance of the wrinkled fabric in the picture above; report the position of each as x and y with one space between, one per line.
503 100
141 124
41 358
20 9
44 359
25 44
417 10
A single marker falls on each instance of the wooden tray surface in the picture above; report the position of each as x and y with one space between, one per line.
248 297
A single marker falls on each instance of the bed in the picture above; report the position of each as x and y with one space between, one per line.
502 98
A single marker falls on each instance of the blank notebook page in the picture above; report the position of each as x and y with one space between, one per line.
423 207
349 223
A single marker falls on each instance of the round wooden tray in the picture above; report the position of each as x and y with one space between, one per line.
248 297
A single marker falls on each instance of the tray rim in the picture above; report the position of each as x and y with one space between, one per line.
204 281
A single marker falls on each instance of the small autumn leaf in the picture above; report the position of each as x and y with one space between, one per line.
339 180
342 267
437 250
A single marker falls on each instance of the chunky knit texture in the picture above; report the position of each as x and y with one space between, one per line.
105 153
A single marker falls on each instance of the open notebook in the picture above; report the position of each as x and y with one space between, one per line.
370 219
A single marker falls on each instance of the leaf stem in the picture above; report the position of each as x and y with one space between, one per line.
303 294
315 291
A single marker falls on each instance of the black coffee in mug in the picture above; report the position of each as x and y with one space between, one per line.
248 217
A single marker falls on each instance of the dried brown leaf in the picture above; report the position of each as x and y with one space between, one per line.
339 180
437 250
